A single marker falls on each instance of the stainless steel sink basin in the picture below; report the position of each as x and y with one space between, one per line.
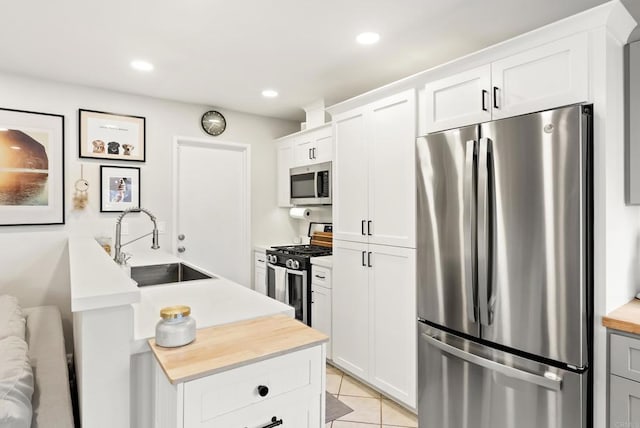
165 274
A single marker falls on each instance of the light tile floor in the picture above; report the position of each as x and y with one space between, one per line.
370 408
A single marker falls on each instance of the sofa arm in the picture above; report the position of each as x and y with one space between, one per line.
51 398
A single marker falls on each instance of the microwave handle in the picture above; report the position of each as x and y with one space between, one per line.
318 182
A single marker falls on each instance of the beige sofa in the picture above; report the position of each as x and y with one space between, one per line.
34 381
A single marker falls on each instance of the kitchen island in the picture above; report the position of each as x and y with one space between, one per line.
114 319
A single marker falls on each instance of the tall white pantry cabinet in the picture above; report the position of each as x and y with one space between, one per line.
374 307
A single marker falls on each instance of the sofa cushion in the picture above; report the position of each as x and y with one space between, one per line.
51 402
16 384
12 321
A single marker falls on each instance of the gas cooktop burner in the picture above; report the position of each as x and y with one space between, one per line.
304 250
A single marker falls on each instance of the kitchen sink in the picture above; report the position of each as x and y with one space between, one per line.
165 274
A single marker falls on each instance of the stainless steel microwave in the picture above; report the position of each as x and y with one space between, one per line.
311 184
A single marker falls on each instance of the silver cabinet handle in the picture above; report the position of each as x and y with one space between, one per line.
369 227
468 229
321 277
554 383
181 237
310 154
362 227
495 97
363 256
261 261
181 249
484 100
369 259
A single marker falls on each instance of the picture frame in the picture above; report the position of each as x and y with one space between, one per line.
113 136
31 168
119 188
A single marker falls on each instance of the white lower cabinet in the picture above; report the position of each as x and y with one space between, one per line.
374 316
288 388
260 272
321 302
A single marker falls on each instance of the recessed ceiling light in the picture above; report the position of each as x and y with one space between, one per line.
368 38
16 147
269 93
141 65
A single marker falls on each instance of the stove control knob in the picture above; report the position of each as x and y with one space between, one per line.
272 259
289 263
295 264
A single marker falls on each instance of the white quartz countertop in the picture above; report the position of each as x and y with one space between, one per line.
96 280
324 261
212 301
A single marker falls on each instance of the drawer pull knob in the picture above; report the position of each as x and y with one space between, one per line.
263 390
274 423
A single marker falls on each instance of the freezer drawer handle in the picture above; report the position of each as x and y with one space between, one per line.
551 382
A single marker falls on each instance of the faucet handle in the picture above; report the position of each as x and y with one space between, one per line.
124 258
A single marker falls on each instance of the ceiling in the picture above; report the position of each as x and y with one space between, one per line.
224 53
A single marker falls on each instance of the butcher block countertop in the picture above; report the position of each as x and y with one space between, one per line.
626 318
220 348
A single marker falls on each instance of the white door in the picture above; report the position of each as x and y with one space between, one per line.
549 76
392 186
321 312
212 210
393 327
303 150
323 146
458 100
350 185
350 288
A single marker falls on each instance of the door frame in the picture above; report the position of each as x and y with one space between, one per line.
205 143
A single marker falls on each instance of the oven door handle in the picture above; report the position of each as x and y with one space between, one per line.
305 297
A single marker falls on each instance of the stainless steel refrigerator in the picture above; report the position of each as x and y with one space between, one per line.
505 273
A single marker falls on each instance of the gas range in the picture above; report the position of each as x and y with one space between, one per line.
295 256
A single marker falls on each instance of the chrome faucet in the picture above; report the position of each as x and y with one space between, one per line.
120 257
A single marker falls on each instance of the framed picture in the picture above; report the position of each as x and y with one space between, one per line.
111 136
31 168
119 188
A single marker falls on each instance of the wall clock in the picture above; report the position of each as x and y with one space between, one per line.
213 123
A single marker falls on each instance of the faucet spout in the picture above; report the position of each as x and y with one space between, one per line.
118 256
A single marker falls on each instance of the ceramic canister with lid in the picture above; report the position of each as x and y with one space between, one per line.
176 328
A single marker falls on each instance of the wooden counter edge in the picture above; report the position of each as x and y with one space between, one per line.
626 318
174 380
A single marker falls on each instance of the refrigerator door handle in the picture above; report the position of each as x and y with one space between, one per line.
469 230
553 382
484 238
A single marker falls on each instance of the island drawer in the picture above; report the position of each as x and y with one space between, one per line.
296 409
210 397
321 276
625 356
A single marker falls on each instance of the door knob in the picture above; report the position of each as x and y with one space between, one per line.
181 237
181 249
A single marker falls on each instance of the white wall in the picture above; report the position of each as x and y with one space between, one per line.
34 259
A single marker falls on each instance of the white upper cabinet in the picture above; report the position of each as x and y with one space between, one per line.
374 187
392 193
551 75
285 161
351 183
458 100
315 146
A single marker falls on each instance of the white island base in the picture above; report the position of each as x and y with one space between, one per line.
262 373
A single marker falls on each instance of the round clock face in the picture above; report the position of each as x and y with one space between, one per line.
213 123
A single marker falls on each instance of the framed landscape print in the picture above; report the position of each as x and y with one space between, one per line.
119 188
111 136
31 168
